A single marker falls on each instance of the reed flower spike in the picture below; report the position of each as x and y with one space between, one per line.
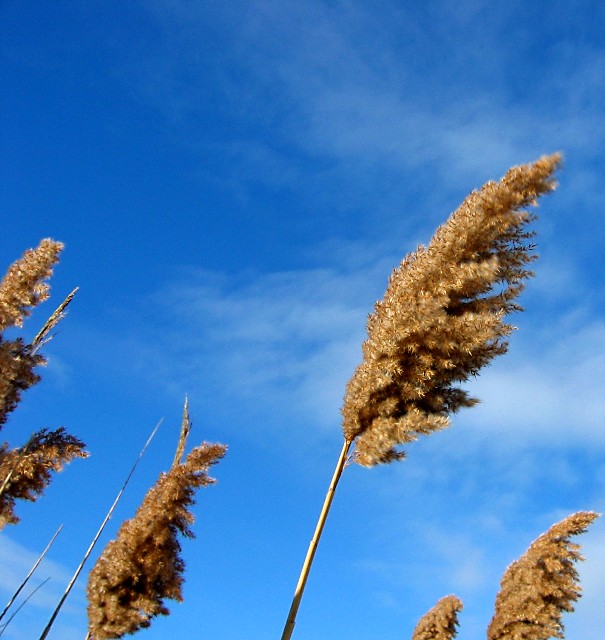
542 585
24 285
22 288
142 567
440 321
443 317
25 472
441 622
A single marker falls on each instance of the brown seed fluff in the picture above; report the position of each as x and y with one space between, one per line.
442 317
28 468
441 622
542 585
142 566
22 287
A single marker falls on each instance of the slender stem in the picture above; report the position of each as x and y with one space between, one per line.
29 575
97 536
22 605
304 574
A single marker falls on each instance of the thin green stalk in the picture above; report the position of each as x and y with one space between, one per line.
304 574
97 536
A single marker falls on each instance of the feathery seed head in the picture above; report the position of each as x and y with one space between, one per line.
442 317
142 566
26 471
24 285
543 584
441 622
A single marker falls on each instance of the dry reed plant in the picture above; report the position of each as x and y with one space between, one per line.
441 320
142 567
25 472
441 622
17 364
442 317
22 288
542 585
24 284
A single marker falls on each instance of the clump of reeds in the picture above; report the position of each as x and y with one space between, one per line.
542 585
25 471
441 622
142 567
443 317
535 591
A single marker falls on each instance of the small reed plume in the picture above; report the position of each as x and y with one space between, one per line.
441 622
22 288
25 472
17 364
142 567
542 585
442 317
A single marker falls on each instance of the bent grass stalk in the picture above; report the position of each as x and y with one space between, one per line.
97 536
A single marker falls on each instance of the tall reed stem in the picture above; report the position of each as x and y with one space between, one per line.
304 574
29 575
97 536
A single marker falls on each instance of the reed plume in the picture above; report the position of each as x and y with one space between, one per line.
142 567
17 364
542 585
441 622
440 321
442 317
22 288
24 285
25 472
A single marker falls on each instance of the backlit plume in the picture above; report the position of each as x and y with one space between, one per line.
25 472
142 567
22 288
443 317
542 585
441 622
24 285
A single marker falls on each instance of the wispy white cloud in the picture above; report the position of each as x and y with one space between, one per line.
370 89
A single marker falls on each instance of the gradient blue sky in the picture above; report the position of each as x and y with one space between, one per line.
234 182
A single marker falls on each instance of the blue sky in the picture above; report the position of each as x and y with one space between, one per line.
234 183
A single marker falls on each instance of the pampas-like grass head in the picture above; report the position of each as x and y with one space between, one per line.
443 317
541 586
25 472
441 622
142 567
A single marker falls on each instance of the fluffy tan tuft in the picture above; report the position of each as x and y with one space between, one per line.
542 585
23 286
441 622
442 317
142 567
25 472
